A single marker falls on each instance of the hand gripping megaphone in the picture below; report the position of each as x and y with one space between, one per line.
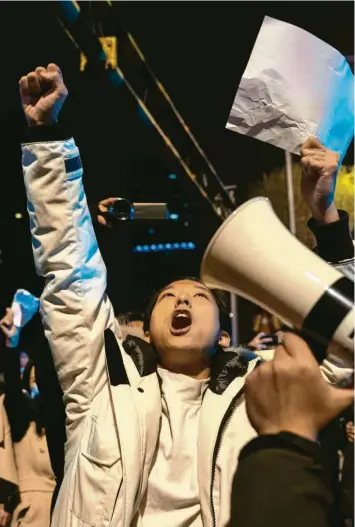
254 255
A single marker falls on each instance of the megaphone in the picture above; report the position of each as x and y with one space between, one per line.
254 255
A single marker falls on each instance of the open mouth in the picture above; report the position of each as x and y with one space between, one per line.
181 322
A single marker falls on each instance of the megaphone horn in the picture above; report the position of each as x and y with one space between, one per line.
254 255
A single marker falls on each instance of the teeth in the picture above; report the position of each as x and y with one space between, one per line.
181 315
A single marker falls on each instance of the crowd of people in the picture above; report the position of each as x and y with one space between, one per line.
154 419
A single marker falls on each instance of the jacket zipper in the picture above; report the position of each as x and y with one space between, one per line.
234 404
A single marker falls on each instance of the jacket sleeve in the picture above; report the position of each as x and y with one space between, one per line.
74 307
335 244
280 480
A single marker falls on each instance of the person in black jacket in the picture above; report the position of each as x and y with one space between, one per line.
347 476
281 477
284 474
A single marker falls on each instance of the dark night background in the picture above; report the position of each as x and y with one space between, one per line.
199 52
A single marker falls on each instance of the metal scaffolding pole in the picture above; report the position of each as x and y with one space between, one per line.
234 319
290 194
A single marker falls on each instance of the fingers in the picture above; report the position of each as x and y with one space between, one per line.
54 69
312 142
311 162
297 350
261 378
314 152
103 221
281 356
33 83
51 74
106 203
40 70
24 89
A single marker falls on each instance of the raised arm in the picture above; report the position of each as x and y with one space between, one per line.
75 310
329 225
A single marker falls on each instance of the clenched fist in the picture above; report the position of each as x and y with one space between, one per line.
43 93
319 171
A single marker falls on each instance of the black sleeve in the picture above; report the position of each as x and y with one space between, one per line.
15 404
45 133
52 406
280 481
334 242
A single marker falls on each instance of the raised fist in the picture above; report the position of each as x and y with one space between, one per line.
43 93
319 171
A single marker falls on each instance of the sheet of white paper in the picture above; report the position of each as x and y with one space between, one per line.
295 85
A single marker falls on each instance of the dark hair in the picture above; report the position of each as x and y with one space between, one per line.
133 316
219 296
26 375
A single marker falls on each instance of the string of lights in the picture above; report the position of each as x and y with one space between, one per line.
162 247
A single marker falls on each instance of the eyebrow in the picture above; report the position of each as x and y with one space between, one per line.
201 287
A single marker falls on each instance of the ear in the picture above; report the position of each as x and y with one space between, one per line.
224 339
147 337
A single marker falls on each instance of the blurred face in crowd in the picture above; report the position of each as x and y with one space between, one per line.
184 326
23 360
224 340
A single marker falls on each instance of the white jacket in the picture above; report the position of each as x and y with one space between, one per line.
113 411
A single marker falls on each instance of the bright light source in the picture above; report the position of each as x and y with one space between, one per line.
172 176
173 217
18 215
